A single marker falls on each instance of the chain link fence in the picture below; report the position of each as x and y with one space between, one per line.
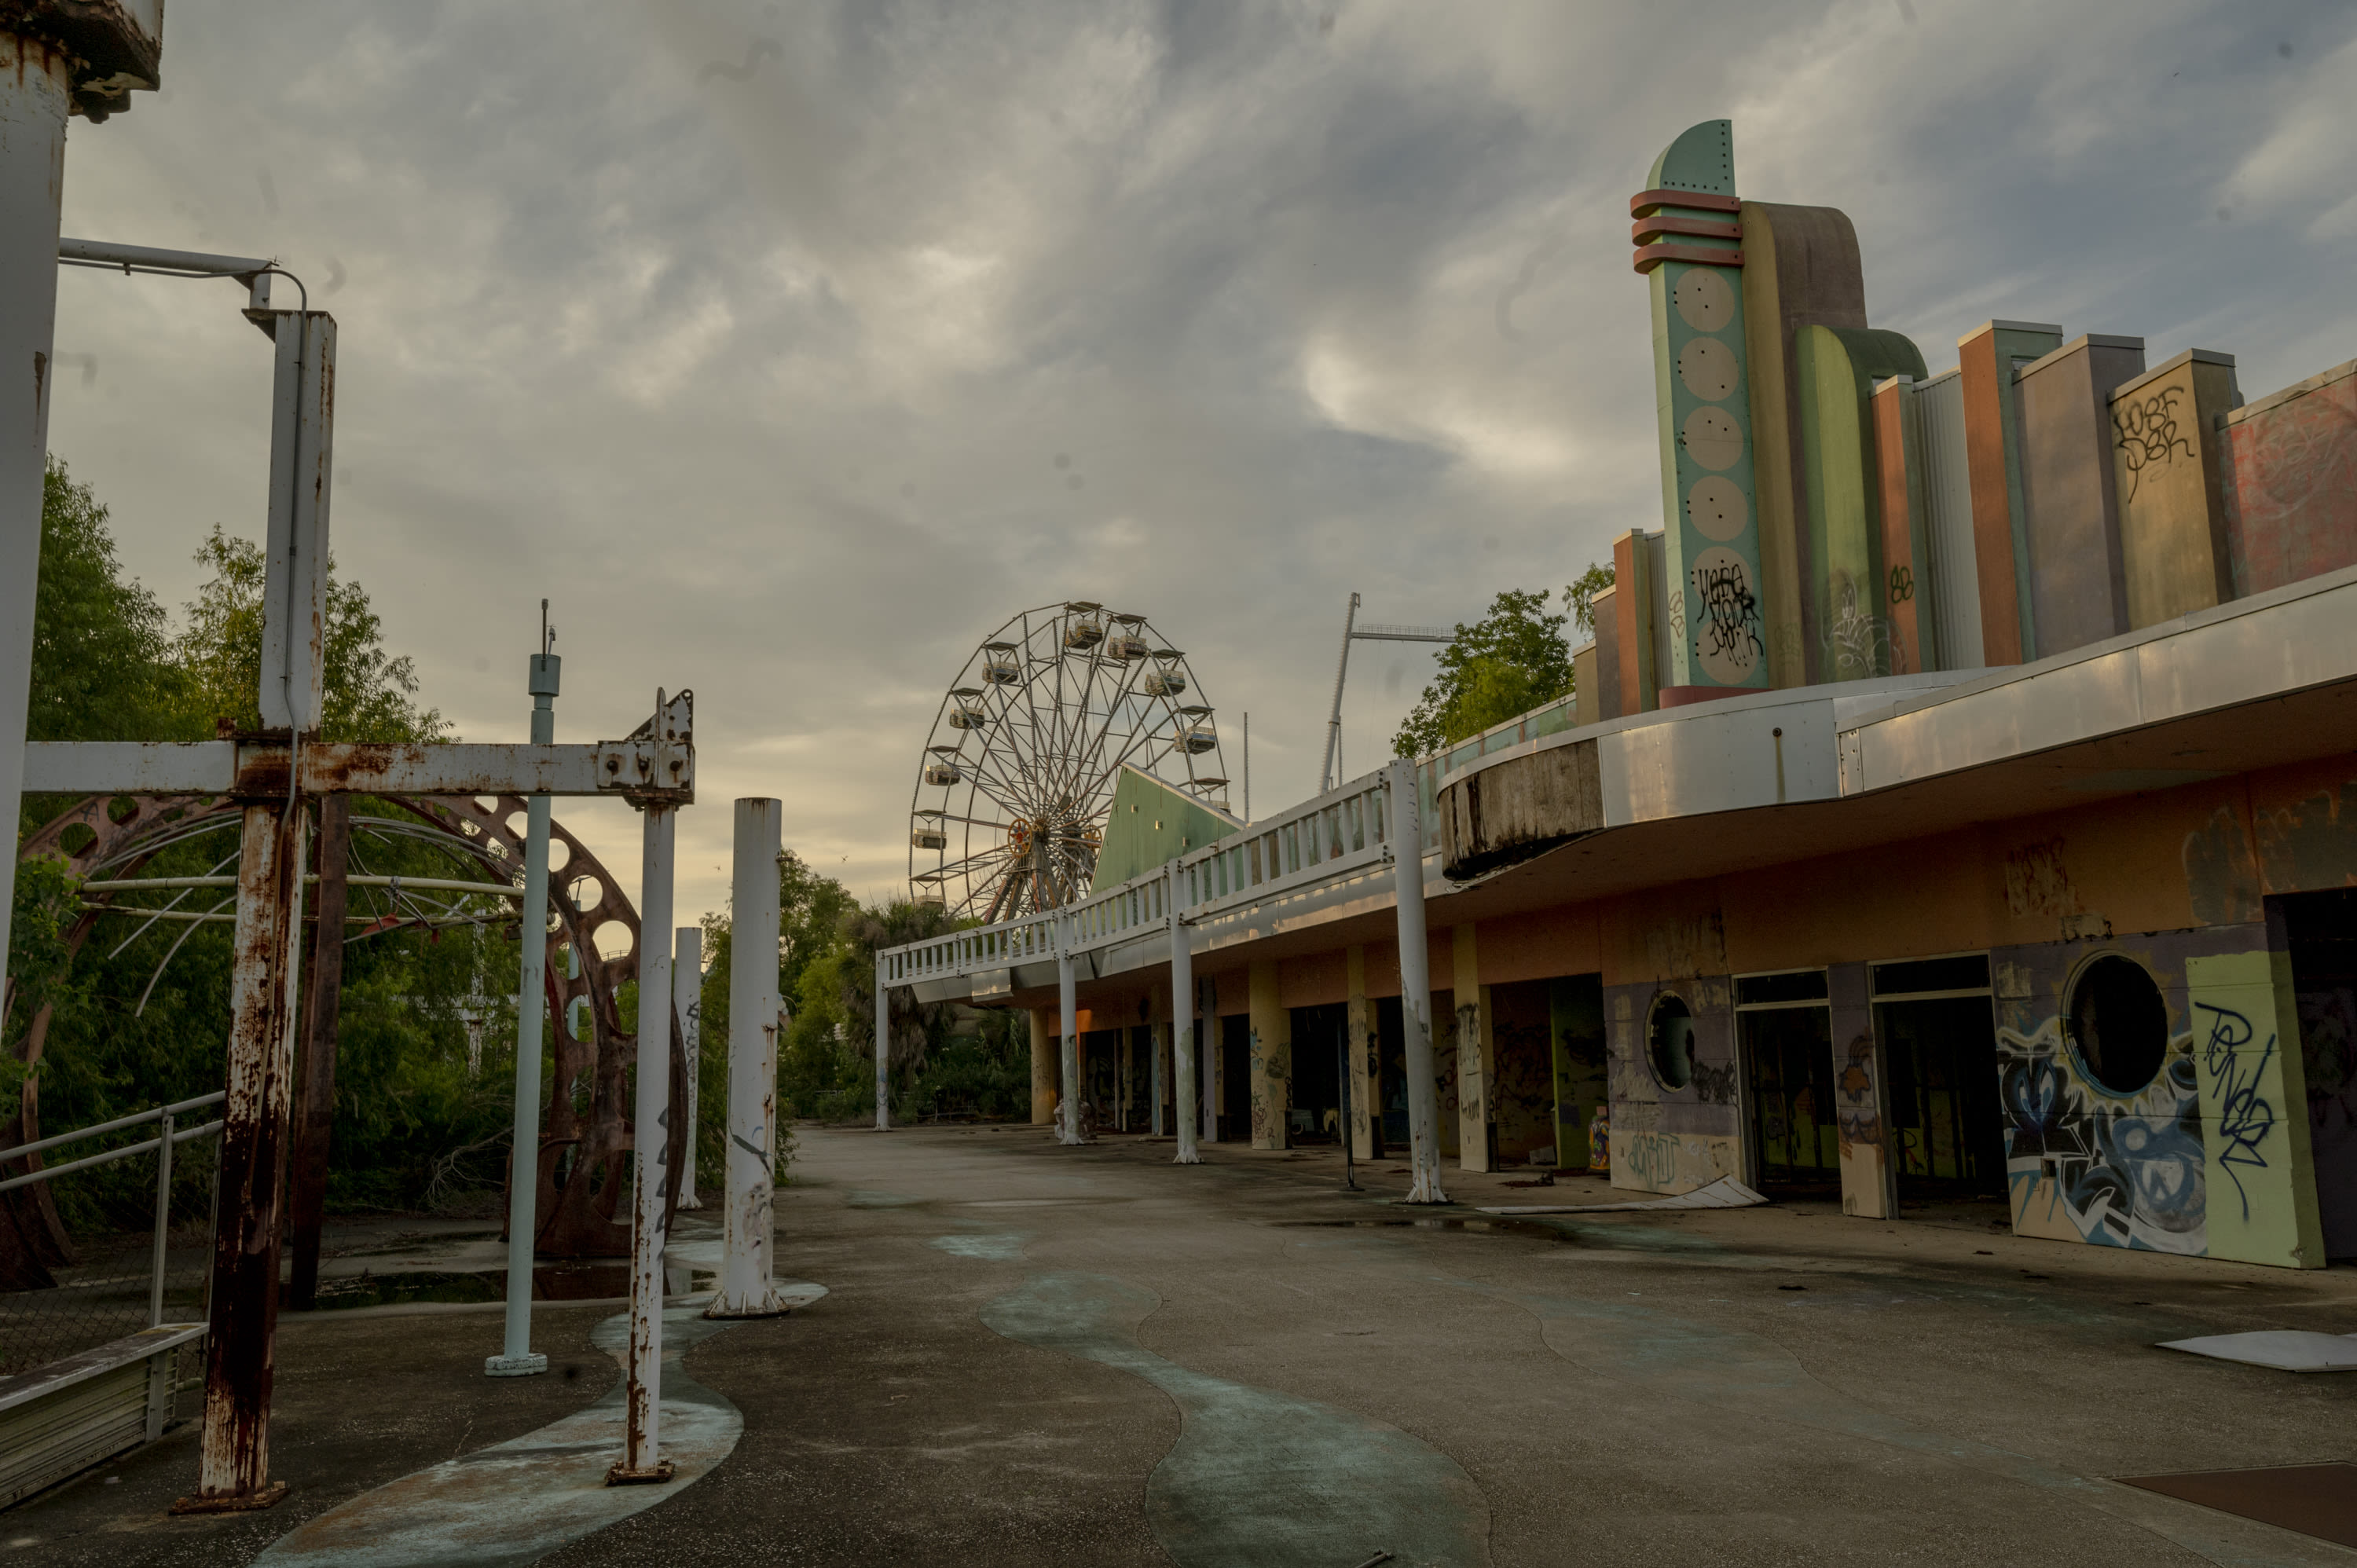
112 1235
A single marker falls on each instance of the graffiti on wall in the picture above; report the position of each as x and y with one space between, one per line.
2147 432
2085 1164
2291 495
1672 1162
2263 1208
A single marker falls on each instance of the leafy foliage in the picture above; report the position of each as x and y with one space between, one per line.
370 694
1512 660
1580 595
141 1017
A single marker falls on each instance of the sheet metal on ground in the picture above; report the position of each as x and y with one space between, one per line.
2315 1499
517 1502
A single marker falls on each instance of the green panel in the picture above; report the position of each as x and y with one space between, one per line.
1836 370
1702 401
1702 159
1151 825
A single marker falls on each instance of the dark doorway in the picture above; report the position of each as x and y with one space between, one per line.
1788 1069
1575 1032
1947 1131
1317 1034
2319 931
1391 1032
1101 1072
1235 1078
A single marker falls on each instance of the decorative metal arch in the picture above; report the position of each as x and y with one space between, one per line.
578 1195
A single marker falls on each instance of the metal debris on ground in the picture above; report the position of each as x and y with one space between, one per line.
1724 1193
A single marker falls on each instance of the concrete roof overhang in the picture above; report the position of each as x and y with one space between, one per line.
1698 791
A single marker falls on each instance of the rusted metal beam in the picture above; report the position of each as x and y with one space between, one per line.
307 1192
234 1464
258 766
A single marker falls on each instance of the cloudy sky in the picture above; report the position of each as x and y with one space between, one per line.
790 348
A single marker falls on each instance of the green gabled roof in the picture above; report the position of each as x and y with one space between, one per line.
1151 825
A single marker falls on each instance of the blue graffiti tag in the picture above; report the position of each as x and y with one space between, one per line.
2243 1119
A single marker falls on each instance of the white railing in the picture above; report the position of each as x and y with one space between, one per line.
1333 834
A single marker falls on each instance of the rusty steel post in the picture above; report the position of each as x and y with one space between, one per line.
650 1158
1416 985
307 1187
1182 1013
687 1005
54 60
747 1224
234 1465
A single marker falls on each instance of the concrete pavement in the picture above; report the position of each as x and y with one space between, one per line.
1033 1354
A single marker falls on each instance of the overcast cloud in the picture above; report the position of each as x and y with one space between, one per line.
751 334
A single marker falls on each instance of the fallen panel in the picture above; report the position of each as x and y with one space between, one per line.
2314 1500
2290 1349
1724 1193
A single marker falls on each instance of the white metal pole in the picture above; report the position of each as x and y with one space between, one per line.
1182 1015
517 1358
687 1005
883 1049
1068 1109
1416 986
650 1155
163 1216
36 82
1334 722
747 1223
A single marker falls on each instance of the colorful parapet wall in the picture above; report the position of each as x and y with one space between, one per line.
2206 1157
2290 491
1689 244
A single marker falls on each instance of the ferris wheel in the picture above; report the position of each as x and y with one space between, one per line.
1018 774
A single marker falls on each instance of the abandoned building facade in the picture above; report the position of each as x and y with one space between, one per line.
1959 802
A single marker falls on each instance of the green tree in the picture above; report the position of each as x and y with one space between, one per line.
1512 660
370 693
1581 595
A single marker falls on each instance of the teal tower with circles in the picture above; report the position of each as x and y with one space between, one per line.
1689 246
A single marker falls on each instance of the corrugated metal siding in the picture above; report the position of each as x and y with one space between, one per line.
1948 501
46 1440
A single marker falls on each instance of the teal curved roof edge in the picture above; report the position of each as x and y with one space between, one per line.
1702 159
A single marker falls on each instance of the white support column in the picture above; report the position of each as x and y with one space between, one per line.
517 1358
687 1003
883 1052
748 1223
650 1159
1182 1017
1067 1117
1416 985
36 84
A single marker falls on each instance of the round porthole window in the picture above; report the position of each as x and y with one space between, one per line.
2117 1024
1669 1040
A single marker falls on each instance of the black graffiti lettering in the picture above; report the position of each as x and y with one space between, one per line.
1728 625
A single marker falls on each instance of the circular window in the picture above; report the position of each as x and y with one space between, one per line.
2117 1024
1669 1040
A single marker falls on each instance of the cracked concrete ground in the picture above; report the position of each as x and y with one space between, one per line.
1033 1354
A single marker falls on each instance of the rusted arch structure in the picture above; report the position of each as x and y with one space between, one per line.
585 1128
